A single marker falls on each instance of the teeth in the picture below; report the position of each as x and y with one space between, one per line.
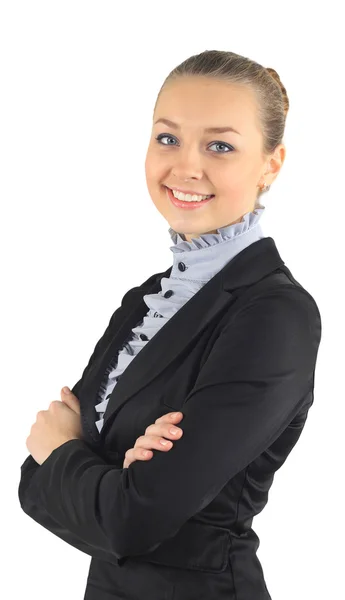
189 197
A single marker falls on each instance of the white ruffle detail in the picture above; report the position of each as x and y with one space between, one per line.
249 220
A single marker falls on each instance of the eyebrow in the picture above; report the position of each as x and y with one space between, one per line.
207 130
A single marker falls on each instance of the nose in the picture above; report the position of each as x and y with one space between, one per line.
187 164
185 172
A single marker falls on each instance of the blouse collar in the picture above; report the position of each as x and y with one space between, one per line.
228 232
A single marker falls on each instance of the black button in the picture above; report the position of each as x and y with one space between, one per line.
181 266
168 294
143 337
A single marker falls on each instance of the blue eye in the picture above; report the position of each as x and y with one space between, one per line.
165 135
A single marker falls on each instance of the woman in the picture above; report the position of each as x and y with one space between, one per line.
232 341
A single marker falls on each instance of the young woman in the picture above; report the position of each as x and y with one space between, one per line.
226 337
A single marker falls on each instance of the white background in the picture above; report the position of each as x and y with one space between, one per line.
78 229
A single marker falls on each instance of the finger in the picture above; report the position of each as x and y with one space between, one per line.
138 454
163 423
152 441
134 454
71 400
174 417
164 430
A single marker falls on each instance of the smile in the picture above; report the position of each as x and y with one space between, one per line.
189 192
187 204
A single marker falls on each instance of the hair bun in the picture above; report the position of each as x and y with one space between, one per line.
276 77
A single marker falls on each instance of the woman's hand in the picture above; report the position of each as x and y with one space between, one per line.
154 435
55 426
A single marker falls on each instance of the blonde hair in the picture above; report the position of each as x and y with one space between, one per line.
272 99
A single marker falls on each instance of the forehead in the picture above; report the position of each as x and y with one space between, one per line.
197 103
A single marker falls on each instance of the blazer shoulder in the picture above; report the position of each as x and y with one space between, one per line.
280 293
289 278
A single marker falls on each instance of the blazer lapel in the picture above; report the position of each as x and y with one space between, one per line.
249 266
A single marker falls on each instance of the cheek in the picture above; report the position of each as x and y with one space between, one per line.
239 178
251 169
154 169
150 162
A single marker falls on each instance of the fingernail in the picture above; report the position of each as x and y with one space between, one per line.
175 415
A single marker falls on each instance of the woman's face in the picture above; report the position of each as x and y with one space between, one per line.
227 164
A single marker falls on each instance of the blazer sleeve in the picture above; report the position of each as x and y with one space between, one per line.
28 496
254 381
27 489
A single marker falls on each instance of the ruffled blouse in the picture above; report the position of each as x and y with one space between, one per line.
203 257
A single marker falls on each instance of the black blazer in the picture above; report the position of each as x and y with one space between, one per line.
238 359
